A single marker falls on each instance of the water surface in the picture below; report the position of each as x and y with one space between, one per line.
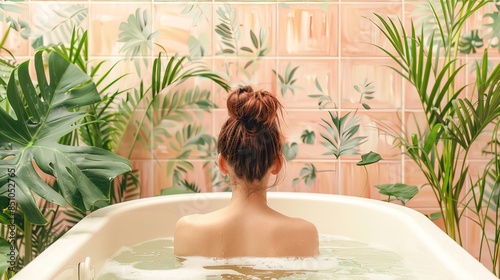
340 258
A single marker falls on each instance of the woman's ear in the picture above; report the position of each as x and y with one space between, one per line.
277 165
222 164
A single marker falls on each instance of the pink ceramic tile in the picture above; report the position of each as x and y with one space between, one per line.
354 180
258 74
383 172
471 72
472 241
477 21
414 121
296 123
413 176
200 174
463 78
176 129
308 29
368 1
220 116
15 43
145 175
184 28
309 176
480 149
52 23
105 26
411 97
242 19
196 82
376 127
303 83
358 181
120 0
134 144
426 196
374 79
358 32
115 68
421 13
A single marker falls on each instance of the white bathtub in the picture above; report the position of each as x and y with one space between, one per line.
403 230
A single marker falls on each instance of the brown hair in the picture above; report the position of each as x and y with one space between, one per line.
251 140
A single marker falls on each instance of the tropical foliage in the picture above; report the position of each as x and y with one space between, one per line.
428 58
65 124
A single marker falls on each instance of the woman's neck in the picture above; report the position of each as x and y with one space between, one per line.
244 194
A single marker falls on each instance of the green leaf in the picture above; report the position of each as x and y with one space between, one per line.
318 85
290 151
494 29
255 41
435 216
5 253
197 46
470 42
177 189
137 34
308 137
58 29
340 139
400 191
246 49
286 82
31 140
308 174
369 158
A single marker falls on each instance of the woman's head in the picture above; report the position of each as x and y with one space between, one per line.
250 140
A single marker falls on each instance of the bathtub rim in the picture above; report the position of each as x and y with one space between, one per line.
447 251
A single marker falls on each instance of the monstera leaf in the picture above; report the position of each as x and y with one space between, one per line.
43 114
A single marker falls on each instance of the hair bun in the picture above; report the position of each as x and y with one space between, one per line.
253 108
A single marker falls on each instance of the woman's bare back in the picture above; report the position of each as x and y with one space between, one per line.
231 232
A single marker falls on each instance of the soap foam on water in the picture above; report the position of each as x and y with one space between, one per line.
201 267
340 258
316 263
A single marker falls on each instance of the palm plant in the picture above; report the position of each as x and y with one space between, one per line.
165 102
431 64
100 128
486 201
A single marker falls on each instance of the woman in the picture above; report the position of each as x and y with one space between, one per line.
249 145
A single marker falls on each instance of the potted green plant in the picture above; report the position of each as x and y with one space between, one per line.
430 59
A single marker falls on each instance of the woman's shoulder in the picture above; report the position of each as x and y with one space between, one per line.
303 227
188 235
193 224
303 235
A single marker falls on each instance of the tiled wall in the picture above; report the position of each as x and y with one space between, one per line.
329 42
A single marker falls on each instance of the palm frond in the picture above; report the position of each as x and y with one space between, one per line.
228 29
172 109
341 139
126 187
44 235
472 119
58 30
137 34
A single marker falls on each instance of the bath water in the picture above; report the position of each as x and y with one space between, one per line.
340 258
